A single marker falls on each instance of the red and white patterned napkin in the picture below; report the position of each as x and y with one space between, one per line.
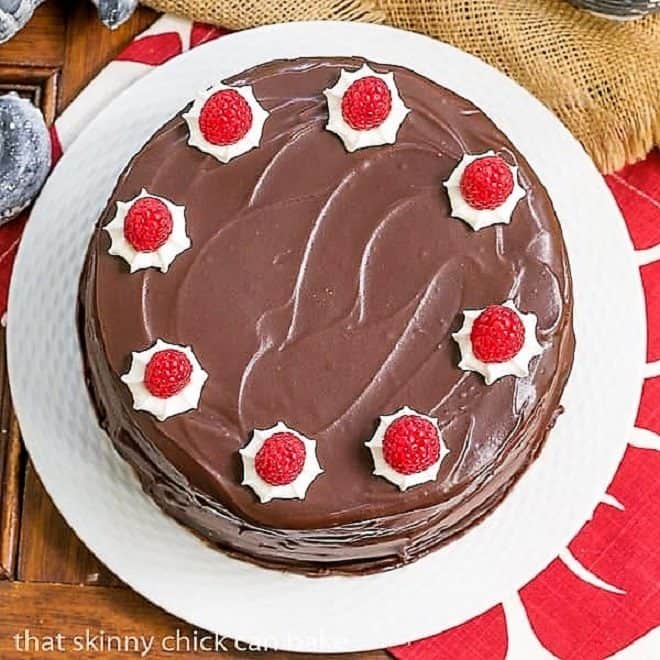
601 595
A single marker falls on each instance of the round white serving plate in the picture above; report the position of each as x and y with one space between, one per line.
98 493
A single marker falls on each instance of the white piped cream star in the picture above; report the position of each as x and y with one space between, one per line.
225 152
352 138
177 242
517 366
383 469
480 218
162 408
265 491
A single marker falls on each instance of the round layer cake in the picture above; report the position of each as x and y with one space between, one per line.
326 315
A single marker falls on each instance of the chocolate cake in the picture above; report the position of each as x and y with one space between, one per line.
326 315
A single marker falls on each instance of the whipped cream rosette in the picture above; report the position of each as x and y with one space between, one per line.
148 231
483 190
225 121
365 108
165 380
497 341
279 463
407 448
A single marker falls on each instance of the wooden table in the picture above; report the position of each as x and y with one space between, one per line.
49 582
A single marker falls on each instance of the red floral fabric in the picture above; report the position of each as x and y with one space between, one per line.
571 617
153 49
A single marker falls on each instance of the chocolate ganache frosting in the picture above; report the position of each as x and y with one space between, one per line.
322 289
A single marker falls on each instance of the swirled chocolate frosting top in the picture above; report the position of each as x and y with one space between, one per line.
321 289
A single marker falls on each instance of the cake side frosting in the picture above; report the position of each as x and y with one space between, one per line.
322 288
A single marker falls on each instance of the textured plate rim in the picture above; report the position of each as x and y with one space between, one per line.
394 625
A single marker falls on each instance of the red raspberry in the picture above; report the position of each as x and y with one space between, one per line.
497 334
148 224
225 118
486 182
411 444
167 373
280 459
366 103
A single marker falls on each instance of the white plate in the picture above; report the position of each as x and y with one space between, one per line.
100 497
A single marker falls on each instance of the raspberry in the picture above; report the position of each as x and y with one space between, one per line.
497 334
280 459
167 373
486 182
225 118
366 103
148 224
411 444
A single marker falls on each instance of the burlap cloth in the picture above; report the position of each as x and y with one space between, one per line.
601 77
